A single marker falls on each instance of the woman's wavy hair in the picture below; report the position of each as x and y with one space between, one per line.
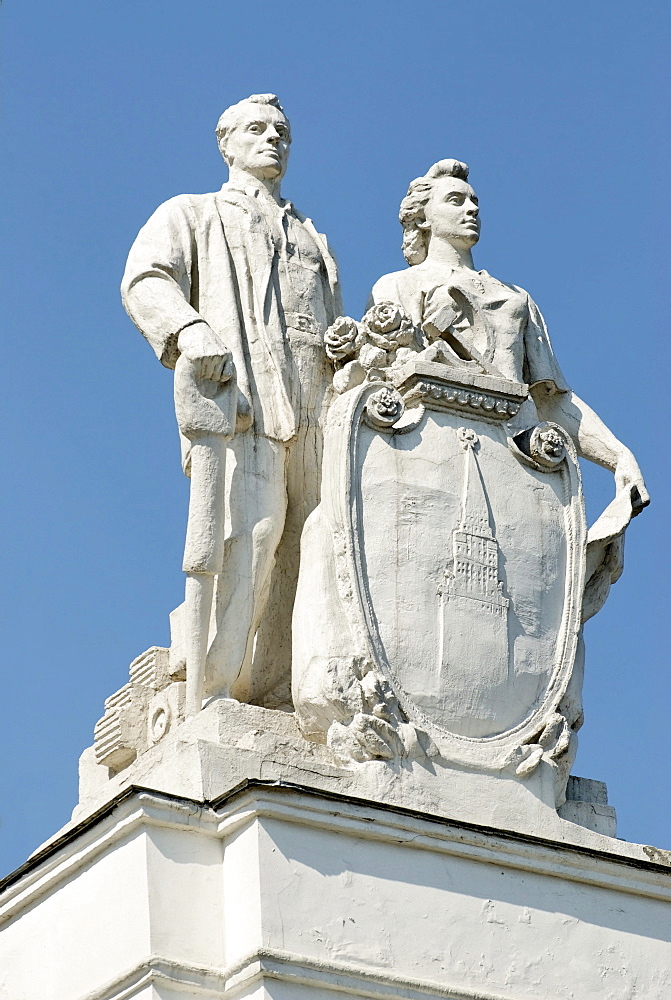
411 214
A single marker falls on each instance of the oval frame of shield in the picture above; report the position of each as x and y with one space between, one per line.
545 454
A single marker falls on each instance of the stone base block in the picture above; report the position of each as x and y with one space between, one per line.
292 893
210 754
587 805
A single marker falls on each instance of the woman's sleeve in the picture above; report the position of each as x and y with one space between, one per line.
540 364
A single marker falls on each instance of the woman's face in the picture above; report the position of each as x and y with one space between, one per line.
452 212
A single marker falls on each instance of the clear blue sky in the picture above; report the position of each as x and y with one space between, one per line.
109 109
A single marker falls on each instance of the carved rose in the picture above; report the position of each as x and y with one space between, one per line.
384 408
342 339
387 403
384 317
388 327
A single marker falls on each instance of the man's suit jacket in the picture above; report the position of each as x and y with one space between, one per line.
210 257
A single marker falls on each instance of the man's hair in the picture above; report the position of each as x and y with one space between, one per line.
231 116
415 238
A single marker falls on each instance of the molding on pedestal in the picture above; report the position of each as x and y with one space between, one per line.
290 802
478 843
281 966
344 977
161 971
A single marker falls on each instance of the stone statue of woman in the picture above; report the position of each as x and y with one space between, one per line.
449 358
444 295
499 324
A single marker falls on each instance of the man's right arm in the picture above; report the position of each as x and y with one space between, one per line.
156 290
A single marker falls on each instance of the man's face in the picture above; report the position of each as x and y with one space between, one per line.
452 212
259 142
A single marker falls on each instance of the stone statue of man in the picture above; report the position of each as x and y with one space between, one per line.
234 290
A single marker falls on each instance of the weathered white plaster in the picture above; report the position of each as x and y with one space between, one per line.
445 574
282 893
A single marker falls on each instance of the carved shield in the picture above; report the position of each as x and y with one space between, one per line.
461 541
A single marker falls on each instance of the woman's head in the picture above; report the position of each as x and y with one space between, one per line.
441 204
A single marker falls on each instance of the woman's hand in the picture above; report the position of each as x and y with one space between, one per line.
439 312
628 477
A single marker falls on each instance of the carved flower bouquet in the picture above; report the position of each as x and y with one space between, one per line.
383 339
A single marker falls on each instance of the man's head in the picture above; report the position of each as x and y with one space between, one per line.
254 135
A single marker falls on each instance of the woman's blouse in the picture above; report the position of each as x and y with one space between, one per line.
501 321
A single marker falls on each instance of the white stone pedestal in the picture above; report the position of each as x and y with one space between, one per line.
288 892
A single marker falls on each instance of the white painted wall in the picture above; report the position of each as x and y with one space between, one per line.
283 894
82 927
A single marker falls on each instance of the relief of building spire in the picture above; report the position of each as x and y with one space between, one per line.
475 551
